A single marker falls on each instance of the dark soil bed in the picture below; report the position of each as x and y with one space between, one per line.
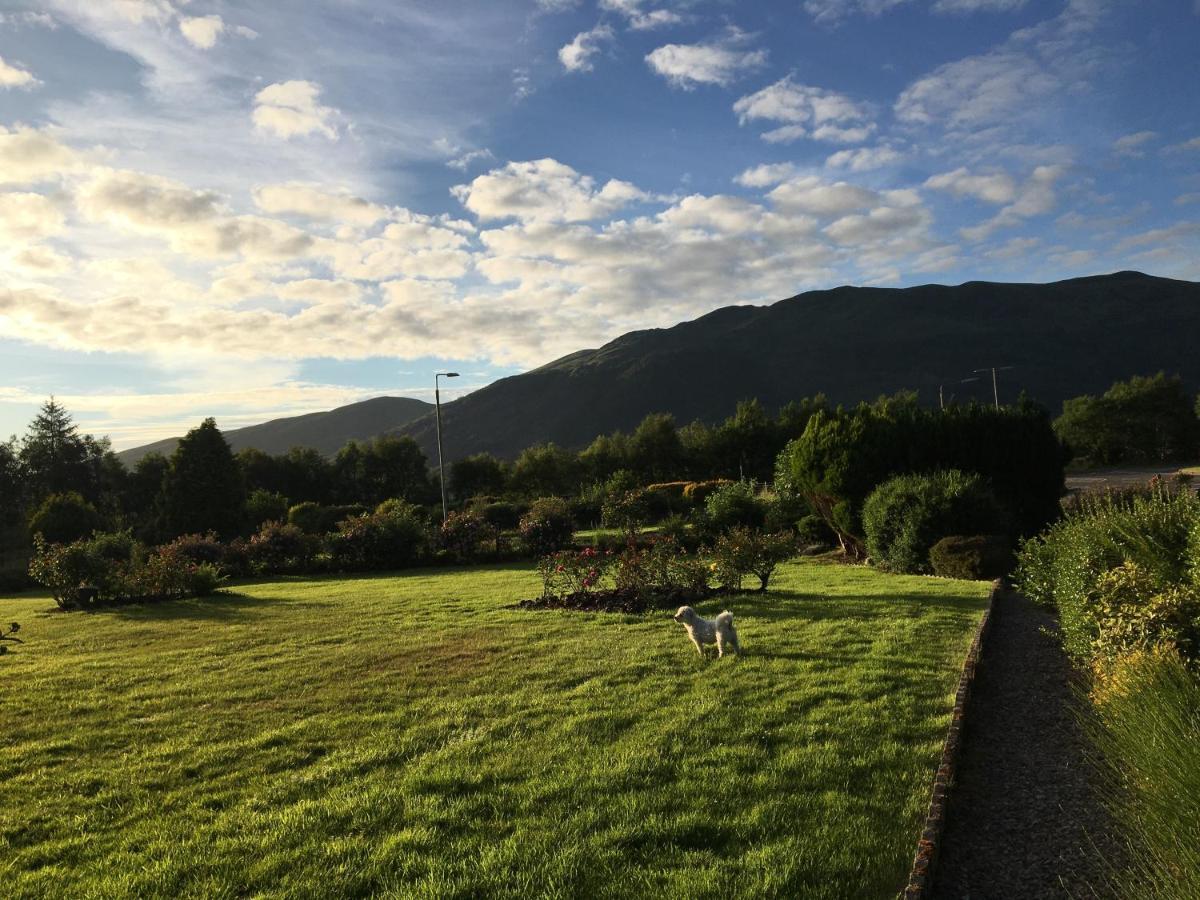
1023 818
628 600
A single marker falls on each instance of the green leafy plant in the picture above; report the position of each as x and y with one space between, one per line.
744 551
972 558
548 526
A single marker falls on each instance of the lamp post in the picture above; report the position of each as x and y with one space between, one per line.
437 405
995 390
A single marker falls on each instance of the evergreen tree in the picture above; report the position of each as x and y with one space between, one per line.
203 488
55 459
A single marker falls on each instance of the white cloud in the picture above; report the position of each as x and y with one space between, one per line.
314 202
969 6
639 18
1132 144
833 11
807 111
577 55
1185 199
201 31
543 190
1035 197
290 109
28 217
463 161
28 155
719 62
997 187
13 76
1184 146
812 194
765 175
863 159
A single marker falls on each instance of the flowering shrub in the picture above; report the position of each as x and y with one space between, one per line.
64 568
744 551
627 510
547 526
463 533
280 548
573 571
389 538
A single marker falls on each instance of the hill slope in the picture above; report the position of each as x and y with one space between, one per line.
326 431
1062 339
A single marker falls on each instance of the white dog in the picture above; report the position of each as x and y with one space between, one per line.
719 631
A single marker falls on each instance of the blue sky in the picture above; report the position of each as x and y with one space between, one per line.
249 210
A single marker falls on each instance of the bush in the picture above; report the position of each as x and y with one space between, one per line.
697 492
62 518
393 536
502 515
547 526
1064 567
783 511
265 506
976 558
627 510
64 569
1133 612
743 551
568 572
812 529
905 516
199 549
732 505
463 533
312 518
280 548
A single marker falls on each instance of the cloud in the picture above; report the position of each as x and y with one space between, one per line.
201 31
720 62
28 217
463 161
28 155
543 190
765 175
996 188
1184 146
863 159
577 55
812 194
808 111
969 6
313 202
1035 197
1131 144
290 109
12 76
638 18
832 12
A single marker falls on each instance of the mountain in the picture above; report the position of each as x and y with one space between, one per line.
326 431
1061 340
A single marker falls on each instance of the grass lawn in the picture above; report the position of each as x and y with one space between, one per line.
411 736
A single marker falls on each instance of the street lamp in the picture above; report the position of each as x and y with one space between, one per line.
437 404
995 390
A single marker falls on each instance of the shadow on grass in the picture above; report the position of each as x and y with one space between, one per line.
777 606
224 606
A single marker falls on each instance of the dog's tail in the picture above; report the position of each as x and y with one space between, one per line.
725 618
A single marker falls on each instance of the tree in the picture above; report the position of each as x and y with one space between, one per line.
1145 419
203 488
10 483
480 475
545 470
62 518
607 454
382 469
655 451
142 500
55 458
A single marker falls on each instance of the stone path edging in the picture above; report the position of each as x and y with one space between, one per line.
920 879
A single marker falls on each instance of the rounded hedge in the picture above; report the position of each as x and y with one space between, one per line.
975 558
905 516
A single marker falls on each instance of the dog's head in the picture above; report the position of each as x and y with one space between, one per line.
684 614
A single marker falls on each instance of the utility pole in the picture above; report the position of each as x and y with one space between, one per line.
437 406
995 388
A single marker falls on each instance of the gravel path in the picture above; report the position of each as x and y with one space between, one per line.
1022 820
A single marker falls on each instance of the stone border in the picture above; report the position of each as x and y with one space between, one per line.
920 880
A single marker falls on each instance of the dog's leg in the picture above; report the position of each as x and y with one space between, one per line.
699 648
720 645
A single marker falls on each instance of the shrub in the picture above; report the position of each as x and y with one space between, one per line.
905 516
312 518
743 551
547 526
198 549
393 536
733 505
62 518
573 571
697 492
1146 730
783 511
812 529
1064 566
972 558
204 580
626 510
678 529
265 506
278 547
166 574
1135 613
502 515
463 533
64 568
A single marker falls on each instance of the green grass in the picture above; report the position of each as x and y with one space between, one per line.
412 736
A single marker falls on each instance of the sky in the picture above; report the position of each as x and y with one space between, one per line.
248 210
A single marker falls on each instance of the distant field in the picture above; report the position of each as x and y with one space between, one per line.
411 736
